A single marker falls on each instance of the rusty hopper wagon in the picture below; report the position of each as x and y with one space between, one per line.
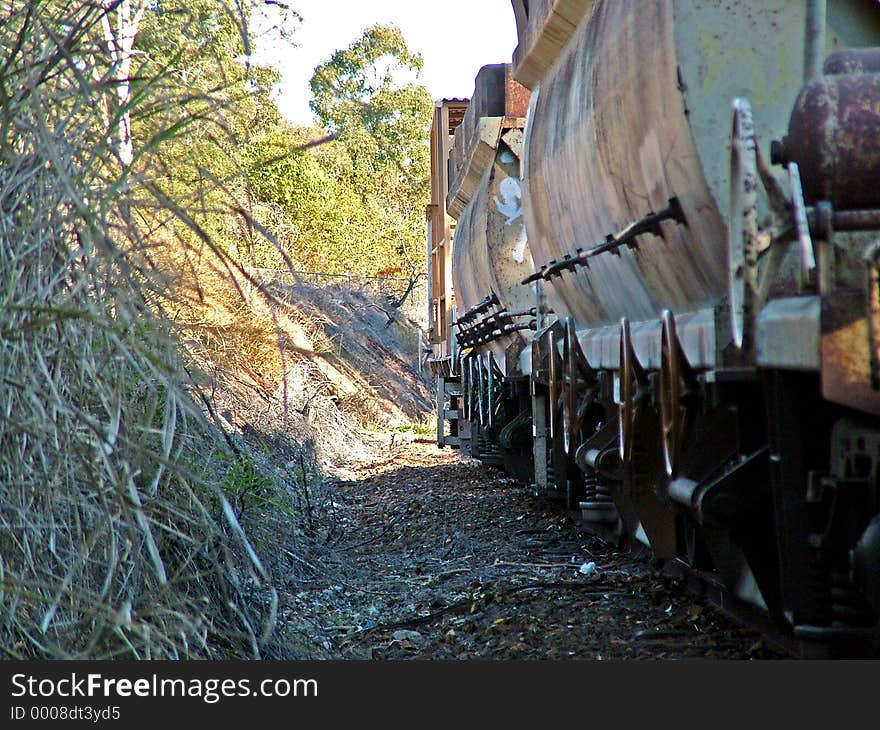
662 299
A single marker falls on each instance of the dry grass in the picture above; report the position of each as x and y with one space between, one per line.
119 535
132 526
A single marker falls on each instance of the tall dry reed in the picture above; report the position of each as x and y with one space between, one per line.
115 538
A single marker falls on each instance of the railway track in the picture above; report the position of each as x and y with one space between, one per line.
446 558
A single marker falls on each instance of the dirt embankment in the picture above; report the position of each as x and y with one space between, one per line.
318 369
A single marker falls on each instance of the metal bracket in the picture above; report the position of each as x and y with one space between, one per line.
626 236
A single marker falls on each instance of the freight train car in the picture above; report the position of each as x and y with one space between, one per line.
663 292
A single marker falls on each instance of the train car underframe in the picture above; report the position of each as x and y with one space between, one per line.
726 472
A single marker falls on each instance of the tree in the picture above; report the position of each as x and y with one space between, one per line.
205 43
210 101
366 96
120 21
358 95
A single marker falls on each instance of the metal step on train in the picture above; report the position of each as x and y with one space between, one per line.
448 411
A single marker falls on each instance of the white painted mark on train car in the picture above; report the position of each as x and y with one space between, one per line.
509 205
519 252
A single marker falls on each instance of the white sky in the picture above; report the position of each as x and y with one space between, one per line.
455 37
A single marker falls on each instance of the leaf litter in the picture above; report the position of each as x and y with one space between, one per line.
440 557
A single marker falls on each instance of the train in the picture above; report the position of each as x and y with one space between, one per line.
654 290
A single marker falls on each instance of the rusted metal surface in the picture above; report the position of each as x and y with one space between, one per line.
513 138
447 116
496 94
742 227
498 105
846 357
850 220
471 156
516 96
853 60
832 136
